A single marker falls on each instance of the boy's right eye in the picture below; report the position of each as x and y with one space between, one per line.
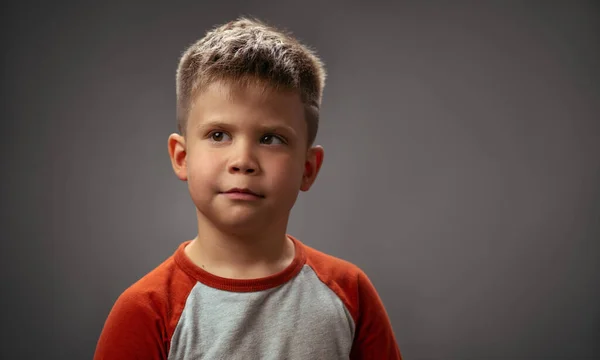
218 136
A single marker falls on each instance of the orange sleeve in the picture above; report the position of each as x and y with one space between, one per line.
374 336
133 330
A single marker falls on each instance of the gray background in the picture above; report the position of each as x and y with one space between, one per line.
462 167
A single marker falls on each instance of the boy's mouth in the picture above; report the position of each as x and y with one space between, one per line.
242 193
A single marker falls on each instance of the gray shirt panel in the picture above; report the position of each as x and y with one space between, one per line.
301 319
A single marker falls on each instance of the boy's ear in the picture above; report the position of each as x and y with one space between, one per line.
314 160
177 153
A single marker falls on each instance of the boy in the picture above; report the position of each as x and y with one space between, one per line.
248 100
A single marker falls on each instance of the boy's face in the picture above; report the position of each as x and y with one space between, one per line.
245 156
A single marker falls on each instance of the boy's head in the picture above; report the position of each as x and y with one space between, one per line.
249 52
248 100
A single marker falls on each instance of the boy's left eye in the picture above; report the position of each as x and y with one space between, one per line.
271 140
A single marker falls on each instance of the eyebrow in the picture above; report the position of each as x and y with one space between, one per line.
212 124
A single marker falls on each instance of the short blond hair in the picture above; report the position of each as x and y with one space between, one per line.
249 51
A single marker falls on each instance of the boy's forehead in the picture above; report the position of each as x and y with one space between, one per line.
226 98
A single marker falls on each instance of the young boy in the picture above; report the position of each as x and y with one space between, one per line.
248 99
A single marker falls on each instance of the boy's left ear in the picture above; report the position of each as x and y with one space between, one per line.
314 160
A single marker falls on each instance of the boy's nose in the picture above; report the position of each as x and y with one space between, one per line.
244 162
243 169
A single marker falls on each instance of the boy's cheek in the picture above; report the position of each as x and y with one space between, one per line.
202 161
289 180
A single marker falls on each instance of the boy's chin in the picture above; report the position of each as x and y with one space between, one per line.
242 222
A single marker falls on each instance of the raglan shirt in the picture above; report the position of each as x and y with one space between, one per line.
318 307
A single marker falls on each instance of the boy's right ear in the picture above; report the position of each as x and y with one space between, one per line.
177 153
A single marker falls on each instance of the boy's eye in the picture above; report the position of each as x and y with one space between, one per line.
218 136
271 139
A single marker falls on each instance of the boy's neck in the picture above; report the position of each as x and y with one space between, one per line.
241 256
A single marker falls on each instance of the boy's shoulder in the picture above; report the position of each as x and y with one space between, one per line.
343 277
162 283
330 267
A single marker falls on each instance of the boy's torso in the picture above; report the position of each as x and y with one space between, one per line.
305 312
301 319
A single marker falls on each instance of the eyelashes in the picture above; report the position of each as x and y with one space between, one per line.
270 138
219 136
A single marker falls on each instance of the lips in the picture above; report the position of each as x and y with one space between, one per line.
243 191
